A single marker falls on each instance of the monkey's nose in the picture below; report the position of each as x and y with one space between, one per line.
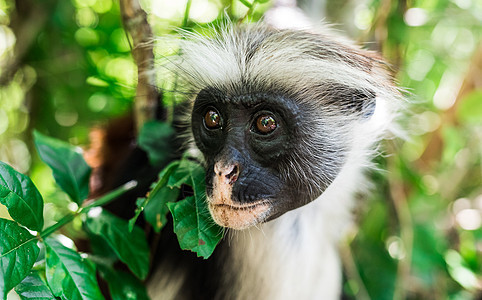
227 173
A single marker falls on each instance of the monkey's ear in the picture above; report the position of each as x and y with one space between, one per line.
351 100
363 102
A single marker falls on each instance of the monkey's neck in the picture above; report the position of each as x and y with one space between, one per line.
295 256
288 258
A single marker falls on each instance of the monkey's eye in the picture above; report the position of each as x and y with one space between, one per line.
212 119
265 124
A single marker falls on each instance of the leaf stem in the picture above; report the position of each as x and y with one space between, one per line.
99 202
110 196
186 14
246 3
65 220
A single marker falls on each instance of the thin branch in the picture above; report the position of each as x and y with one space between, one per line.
109 197
147 96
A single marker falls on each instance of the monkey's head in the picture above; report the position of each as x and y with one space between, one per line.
251 144
277 115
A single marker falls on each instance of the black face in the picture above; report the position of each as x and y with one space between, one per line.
248 142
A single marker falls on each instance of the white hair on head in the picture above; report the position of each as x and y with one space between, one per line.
285 60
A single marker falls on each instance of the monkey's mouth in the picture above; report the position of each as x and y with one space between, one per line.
241 206
239 216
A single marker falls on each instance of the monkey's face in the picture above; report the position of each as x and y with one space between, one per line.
260 156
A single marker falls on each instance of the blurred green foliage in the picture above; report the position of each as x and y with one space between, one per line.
66 66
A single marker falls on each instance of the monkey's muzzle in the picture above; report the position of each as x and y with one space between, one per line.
239 216
227 212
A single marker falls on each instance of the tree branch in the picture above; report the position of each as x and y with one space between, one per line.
147 96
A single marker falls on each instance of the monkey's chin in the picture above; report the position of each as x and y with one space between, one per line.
237 216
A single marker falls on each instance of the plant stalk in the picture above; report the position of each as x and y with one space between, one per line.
95 203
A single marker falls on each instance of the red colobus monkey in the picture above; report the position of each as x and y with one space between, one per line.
286 122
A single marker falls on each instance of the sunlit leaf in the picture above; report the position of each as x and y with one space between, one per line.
69 168
70 276
130 246
33 288
21 197
18 253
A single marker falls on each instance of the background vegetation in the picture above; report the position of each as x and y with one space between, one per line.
66 66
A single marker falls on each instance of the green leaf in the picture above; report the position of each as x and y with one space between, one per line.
21 197
156 209
123 285
142 202
198 177
33 288
246 3
69 275
183 173
167 172
101 248
18 253
154 138
194 227
69 168
130 247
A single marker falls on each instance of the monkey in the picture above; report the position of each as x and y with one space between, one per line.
286 123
